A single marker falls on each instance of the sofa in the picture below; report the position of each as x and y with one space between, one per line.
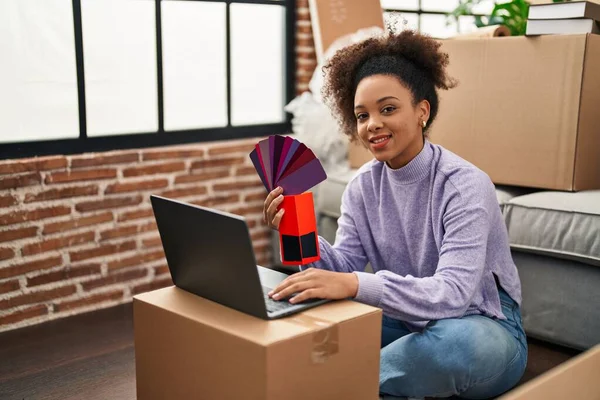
555 243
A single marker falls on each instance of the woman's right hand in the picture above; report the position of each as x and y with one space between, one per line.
271 216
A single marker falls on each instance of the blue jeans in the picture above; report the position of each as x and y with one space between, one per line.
474 357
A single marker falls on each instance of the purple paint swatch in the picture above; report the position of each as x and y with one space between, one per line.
283 161
299 151
293 148
304 159
271 140
304 178
287 144
266 157
262 165
258 166
277 149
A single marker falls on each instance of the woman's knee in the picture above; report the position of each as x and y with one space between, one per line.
452 348
414 367
474 350
464 336
455 342
448 357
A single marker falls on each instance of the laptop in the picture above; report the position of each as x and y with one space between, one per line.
210 254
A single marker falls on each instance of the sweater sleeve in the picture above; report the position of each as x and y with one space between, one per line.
462 255
347 253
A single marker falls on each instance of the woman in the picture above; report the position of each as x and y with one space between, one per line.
429 224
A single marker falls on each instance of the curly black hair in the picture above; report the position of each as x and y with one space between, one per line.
412 57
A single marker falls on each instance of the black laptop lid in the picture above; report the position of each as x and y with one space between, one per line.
210 254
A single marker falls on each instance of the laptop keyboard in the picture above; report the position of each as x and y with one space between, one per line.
274 305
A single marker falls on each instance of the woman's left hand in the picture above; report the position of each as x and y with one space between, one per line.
316 283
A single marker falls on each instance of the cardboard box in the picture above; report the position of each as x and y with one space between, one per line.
187 347
332 19
577 378
525 110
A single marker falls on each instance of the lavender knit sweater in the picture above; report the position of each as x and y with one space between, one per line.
434 235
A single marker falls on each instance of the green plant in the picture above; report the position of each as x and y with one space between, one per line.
512 14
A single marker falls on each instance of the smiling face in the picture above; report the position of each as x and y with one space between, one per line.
387 121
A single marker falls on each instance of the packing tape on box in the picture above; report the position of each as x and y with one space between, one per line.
325 338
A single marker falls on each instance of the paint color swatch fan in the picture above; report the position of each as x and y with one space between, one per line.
283 161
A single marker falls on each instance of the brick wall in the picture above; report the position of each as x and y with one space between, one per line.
306 58
77 233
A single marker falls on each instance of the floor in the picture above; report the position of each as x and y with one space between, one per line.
91 356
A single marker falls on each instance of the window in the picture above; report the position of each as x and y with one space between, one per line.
94 75
429 16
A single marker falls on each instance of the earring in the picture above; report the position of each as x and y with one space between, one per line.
424 123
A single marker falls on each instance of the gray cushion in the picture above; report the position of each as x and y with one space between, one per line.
329 198
505 193
559 224
327 228
557 299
